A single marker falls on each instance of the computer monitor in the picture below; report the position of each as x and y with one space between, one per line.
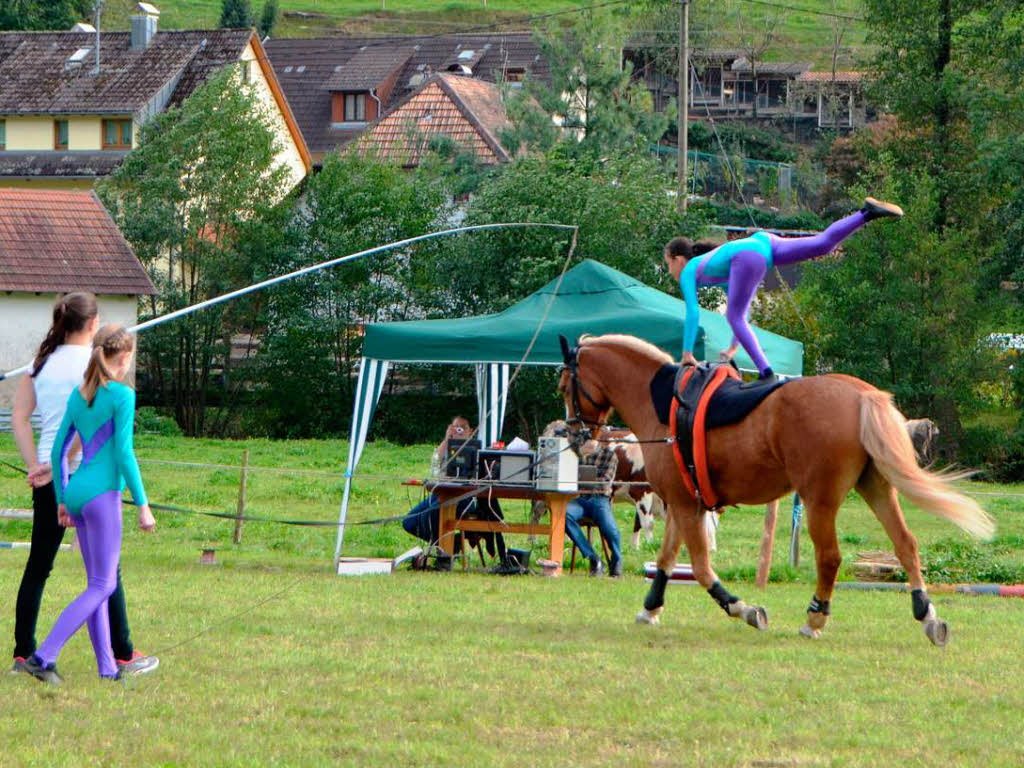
461 461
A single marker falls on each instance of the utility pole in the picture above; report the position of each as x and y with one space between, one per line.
97 8
684 93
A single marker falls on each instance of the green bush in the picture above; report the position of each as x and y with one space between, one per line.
966 561
740 217
752 142
151 422
998 454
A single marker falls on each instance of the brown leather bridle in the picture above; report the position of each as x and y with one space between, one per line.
570 356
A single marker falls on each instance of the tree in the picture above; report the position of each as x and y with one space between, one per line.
43 14
196 199
268 19
236 14
590 95
313 325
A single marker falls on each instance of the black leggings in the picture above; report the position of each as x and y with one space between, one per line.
47 535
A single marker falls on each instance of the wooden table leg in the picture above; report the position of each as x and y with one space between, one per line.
446 534
557 505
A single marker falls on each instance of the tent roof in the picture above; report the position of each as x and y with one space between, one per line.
592 298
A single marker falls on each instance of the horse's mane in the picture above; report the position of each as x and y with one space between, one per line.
631 342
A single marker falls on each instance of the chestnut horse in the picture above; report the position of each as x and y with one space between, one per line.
820 436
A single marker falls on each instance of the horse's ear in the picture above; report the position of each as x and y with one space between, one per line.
566 355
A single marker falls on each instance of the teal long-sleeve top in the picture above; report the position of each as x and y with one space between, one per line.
108 455
713 269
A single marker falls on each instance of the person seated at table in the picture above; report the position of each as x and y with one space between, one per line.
424 520
595 502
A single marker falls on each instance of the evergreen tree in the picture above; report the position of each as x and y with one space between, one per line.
43 14
268 20
590 95
236 14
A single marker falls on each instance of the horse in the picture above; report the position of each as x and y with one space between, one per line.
630 482
819 435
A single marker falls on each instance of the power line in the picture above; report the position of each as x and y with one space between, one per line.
498 25
782 6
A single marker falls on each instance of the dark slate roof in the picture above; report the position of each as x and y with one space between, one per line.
319 59
62 164
368 69
35 77
789 68
61 240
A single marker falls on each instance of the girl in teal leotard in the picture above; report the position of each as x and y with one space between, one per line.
102 414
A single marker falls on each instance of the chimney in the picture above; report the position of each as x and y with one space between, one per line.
143 26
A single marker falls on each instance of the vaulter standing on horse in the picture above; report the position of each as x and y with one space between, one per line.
741 265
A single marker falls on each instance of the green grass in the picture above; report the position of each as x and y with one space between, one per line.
800 36
473 669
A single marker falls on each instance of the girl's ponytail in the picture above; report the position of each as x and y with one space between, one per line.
110 340
71 313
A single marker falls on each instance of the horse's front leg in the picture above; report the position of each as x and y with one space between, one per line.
695 535
670 544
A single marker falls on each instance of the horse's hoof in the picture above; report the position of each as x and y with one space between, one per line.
937 631
810 632
756 616
649 617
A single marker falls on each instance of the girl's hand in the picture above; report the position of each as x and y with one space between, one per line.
727 354
689 359
146 520
39 475
65 520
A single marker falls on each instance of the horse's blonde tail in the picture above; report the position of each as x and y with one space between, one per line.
884 436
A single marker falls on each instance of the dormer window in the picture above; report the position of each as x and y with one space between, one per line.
515 74
355 107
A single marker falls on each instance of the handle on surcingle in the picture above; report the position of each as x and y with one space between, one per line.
566 354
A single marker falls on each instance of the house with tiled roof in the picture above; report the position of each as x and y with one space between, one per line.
470 112
53 242
832 99
72 103
723 85
339 86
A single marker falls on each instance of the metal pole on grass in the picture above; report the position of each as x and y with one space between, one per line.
241 496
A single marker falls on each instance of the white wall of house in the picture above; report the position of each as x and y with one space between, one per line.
25 319
289 155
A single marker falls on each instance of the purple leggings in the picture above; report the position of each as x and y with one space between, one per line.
748 269
99 536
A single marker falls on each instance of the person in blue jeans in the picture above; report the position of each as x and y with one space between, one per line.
424 520
595 502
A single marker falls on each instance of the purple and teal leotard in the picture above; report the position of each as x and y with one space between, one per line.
93 496
741 265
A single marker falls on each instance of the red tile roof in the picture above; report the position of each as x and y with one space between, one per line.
826 77
469 111
60 241
305 65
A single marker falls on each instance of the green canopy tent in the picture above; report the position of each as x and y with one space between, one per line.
592 298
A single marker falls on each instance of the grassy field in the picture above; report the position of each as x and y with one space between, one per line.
801 35
299 667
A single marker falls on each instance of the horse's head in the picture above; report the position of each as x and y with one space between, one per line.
586 406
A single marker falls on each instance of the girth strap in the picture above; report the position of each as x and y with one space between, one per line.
690 446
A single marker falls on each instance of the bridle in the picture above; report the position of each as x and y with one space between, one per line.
576 388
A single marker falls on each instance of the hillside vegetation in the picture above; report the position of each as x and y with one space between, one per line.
803 36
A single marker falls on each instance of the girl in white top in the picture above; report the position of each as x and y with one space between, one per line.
58 369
